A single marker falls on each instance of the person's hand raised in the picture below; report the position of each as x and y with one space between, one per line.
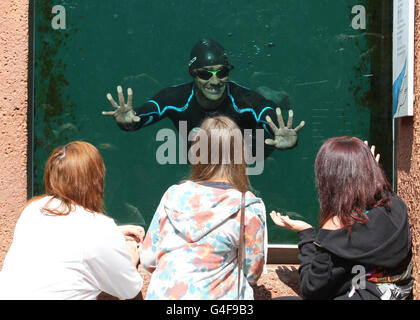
284 136
287 223
124 113
372 149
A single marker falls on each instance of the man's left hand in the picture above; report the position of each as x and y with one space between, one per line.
285 137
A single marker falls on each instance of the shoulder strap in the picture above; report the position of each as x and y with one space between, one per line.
241 242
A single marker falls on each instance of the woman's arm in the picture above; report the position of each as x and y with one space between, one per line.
315 270
110 264
318 275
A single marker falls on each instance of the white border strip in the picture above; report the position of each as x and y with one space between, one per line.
283 246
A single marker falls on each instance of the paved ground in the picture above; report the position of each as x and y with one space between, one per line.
278 281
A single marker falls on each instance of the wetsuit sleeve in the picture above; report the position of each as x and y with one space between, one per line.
255 107
153 110
167 103
319 278
264 108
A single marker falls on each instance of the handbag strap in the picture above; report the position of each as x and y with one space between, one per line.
241 242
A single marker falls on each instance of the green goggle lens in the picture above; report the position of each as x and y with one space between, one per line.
207 74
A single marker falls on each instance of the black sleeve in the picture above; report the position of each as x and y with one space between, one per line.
155 109
319 277
148 114
264 107
167 103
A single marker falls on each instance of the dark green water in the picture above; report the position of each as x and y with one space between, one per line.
336 78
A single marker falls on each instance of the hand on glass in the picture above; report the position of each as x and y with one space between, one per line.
290 224
284 136
372 149
124 113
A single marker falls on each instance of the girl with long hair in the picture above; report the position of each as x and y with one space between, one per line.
363 247
192 243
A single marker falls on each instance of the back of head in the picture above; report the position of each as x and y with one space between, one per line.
218 152
207 52
75 174
349 180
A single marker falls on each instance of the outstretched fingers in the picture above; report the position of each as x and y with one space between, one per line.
290 122
112 101
275 217
278 219
123 113
271 124
120 96
108 113
290 119
300 126
280 118
270 142
372 150
378 156
129 97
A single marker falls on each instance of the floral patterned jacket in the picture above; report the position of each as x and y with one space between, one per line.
192 243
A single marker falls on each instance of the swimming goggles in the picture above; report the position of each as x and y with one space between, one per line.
205 74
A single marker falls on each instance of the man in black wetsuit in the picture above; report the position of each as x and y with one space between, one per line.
210 93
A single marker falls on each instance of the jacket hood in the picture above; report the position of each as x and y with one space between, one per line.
384 241
201 209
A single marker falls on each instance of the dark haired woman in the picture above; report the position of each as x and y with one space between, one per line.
63 246
363 247
192 242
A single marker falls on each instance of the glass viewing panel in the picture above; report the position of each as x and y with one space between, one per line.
329 59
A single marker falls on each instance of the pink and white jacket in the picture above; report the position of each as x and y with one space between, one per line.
192 243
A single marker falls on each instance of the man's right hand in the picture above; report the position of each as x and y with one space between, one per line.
124 113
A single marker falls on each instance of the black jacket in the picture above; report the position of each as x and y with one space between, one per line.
330 259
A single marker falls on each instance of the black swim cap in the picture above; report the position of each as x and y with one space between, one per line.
207 52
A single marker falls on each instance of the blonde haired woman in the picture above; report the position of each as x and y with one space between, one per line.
192 243
63 246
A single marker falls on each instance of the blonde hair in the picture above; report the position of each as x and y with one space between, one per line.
75 175
225 153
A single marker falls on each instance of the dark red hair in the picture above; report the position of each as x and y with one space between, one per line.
349 181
